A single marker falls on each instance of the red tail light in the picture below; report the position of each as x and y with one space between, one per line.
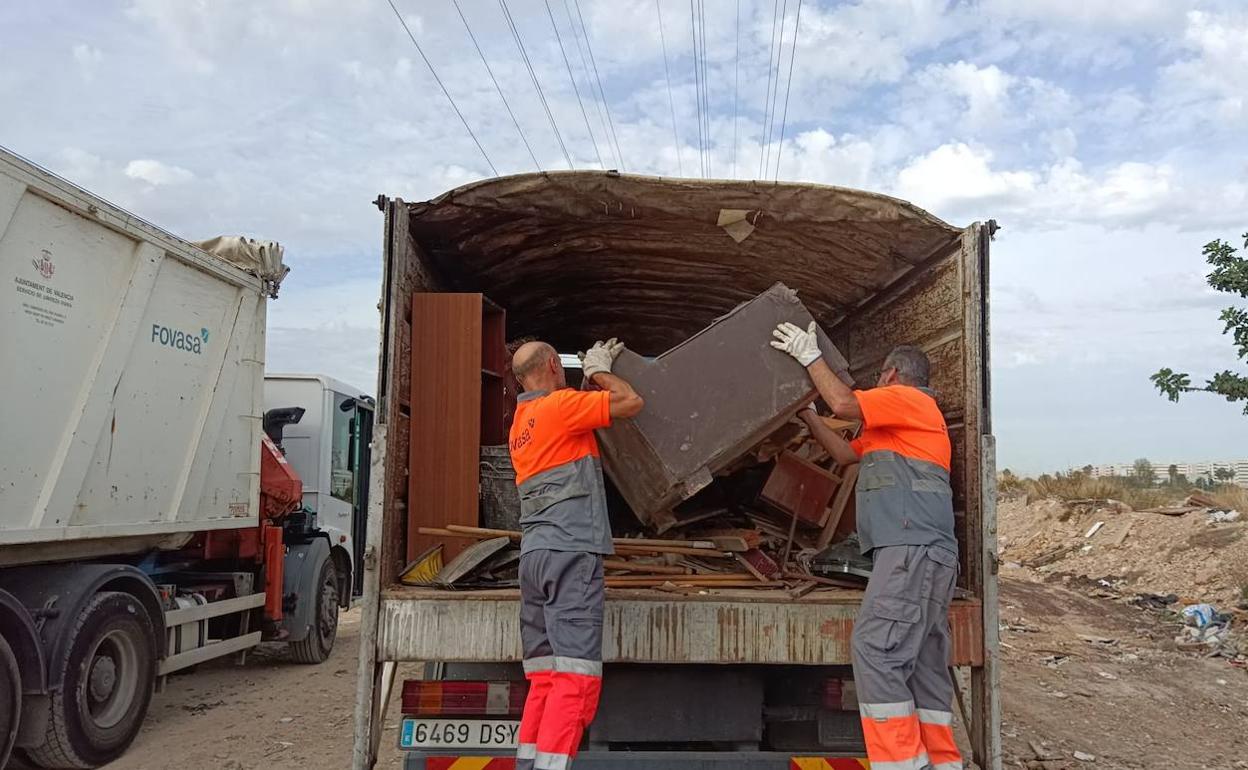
469 699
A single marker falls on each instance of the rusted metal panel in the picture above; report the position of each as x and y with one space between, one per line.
453 627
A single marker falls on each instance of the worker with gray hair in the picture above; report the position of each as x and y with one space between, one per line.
566 533
901 637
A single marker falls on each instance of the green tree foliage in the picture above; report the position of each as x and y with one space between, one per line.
1224 474
1229 275
1142 472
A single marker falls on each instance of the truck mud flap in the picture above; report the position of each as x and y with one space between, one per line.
651 760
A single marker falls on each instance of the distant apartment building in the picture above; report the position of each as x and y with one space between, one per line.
1192 471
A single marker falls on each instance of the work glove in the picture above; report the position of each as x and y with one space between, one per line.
599 358
802 345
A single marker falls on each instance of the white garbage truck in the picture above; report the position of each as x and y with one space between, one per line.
149 520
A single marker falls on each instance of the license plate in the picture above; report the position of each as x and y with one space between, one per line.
459 734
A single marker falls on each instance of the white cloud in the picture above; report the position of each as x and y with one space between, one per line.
156 173
1209 85
960 181
88 58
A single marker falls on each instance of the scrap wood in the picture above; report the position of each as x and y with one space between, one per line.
801 589
752 537
640 541
699 582
657 569
1095 528
469 560
760 562
1181 510
744 562
730 543
639 549
823 581
483 532
1202 500
716 578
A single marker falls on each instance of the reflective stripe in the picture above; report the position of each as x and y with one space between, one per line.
948 766
935 717
547 761
544 663
886 710
578 666
526 751
917 763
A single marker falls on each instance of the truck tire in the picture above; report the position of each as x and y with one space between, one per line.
10 701
319 642
109 669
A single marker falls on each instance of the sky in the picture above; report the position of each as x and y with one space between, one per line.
1109 140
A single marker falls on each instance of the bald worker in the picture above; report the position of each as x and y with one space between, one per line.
566 533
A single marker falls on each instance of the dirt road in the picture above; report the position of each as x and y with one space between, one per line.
271 713
1081 673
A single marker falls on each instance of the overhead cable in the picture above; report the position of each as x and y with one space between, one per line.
515 33
697 86
671 102
575 89
598 78
602 119
797 26
445 92
519 130
762 136
775 92
706 90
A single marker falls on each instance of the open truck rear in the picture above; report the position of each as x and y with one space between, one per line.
717 679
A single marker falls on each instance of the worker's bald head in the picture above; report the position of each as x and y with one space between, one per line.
536 366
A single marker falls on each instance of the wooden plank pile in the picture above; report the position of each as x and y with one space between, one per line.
779 505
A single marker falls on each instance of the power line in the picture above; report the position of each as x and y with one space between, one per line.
697 87
575 90
498 88
797 26
706 90
762 137
576 36
589 47
671 102
515 33
775 92
446 93
736 90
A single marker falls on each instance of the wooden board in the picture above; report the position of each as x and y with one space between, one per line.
445 417
799 487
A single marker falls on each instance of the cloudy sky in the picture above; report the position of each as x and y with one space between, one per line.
1110 140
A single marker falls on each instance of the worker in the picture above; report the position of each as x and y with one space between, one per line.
566 534
901 639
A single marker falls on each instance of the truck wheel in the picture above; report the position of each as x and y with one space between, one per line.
319 642
10 701
108 670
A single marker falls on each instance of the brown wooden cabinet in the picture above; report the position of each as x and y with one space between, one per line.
458 402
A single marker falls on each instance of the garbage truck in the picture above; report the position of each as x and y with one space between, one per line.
710 679
150 520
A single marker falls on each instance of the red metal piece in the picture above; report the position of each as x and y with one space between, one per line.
274 572
281 489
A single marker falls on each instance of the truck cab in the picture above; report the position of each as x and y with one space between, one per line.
329 448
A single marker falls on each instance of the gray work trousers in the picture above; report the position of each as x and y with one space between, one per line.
901 646
561 608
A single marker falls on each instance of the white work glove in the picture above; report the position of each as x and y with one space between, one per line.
802 345
599 358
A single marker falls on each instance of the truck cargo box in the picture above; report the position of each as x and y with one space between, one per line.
573 257
133 376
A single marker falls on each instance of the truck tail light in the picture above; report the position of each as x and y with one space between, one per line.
472 699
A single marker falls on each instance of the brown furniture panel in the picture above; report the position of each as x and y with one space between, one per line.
446 417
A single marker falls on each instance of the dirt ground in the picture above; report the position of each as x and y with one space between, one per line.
1090 681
